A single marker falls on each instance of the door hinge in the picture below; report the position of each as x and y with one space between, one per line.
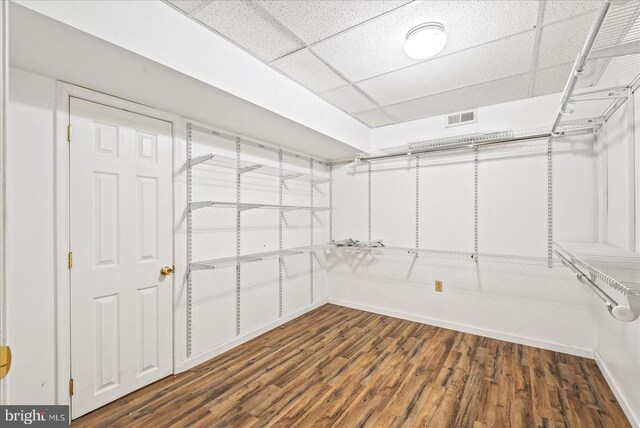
70 387
70 259
5 360
68 133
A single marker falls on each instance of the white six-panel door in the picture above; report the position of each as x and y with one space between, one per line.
121 237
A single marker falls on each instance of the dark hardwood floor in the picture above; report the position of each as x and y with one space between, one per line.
342 367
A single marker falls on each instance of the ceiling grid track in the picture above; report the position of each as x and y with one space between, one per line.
353 27
346 79
373 108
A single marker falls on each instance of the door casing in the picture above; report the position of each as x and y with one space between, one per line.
62 186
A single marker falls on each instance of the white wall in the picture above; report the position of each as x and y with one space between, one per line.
30 239
618 343
197 52
39 45
522 303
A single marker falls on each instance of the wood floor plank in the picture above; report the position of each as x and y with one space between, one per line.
337 366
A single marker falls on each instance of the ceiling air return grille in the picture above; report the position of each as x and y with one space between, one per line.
464 118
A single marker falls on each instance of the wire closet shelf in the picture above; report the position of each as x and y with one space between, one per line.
240 168
610 55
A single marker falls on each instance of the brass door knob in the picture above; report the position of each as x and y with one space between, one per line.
166 270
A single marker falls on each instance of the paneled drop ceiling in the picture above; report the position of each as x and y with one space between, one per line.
351 53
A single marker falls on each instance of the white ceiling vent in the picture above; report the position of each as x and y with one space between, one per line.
464 118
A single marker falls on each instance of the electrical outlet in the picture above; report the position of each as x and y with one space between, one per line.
438 286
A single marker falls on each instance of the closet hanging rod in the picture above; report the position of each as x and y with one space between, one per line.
254 144
514 139
619 312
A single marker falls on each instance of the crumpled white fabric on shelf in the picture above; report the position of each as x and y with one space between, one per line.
355 243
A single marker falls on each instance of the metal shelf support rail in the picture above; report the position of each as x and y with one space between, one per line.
311 187
189 244
417 202
331 202
280 224
238 241
475 204
369 202
550 202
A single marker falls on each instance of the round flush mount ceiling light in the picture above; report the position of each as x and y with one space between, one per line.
425 40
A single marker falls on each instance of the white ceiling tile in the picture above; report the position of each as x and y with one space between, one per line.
249 26
620 71
553 79
488 93
315 20
377 46
348 99
557 10
492 61
187 6
308 70
561 42
374 118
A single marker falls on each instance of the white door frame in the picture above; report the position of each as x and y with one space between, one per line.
62 275
4 104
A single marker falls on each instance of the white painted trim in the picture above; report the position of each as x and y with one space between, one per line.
207 355
631 165
61 238
627 408
4 103
543 344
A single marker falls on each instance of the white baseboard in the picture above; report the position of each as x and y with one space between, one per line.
551 346
627 408
220 349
